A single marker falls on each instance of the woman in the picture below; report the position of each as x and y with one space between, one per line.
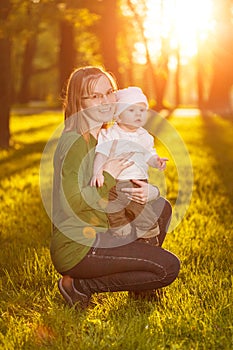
83 252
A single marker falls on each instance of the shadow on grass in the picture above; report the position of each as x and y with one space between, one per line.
216 136
35 129
29 111
21 159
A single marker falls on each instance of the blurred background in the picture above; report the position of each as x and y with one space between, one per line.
180 52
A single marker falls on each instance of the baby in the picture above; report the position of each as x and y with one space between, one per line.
123 214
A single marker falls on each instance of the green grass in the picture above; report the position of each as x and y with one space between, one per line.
196 312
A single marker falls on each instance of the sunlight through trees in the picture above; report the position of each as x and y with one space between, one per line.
180 52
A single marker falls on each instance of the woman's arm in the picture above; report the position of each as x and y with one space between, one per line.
77 172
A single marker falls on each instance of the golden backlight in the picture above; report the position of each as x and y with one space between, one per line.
182 23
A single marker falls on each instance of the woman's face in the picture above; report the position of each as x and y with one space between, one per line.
100 104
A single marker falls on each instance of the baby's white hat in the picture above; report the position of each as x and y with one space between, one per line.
129 96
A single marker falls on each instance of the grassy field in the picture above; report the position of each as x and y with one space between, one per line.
196 312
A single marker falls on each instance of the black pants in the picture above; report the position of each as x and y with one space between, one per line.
135 266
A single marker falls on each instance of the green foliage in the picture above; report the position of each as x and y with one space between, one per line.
40 20
196 311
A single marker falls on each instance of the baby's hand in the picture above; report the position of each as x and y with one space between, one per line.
161 163
97 180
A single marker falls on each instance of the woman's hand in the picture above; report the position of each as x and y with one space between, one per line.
142 194
114 165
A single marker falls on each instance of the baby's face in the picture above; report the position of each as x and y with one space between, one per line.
133 117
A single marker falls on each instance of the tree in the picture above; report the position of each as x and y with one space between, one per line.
108 32
16 23
161 75
27 68
139 19
222 79
77 40
158 71
32 14
177 77
200 73
5 76
67 52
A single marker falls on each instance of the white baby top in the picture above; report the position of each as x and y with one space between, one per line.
140 142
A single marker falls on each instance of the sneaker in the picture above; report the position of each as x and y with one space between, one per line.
72 295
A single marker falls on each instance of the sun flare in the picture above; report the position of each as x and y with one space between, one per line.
181 22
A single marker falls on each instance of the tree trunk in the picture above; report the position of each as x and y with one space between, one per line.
67 54
222 79
5 80
161 76
108 38
177 78
27 69
200 73
161 70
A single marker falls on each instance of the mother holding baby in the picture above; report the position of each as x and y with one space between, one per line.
84 250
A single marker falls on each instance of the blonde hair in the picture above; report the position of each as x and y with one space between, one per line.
82 82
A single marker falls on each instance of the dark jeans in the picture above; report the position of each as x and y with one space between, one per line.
135 266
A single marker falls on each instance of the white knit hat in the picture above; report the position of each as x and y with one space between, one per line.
127 97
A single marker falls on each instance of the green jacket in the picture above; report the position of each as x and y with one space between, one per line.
78 209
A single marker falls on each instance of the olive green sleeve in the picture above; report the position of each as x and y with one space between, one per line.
79 195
